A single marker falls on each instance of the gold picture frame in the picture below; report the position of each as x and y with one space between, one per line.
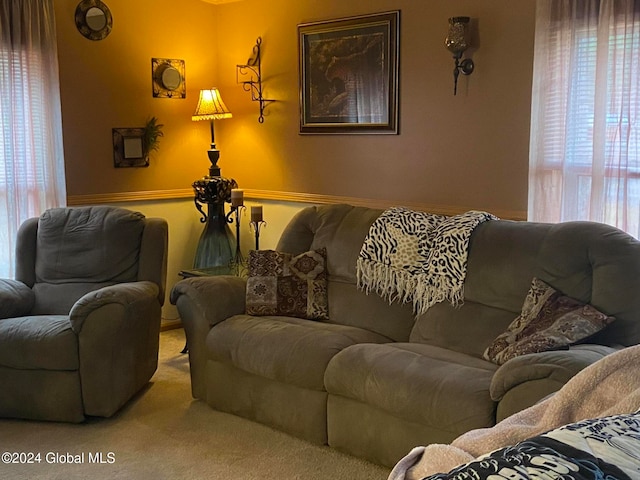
348 70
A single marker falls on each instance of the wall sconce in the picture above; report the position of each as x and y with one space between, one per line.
457 42
250 76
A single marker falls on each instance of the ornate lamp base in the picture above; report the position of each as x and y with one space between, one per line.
216 246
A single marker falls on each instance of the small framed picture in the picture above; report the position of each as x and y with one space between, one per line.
349 74
128 148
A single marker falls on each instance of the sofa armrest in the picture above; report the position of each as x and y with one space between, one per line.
213 299
124 294
16 299
556 365
202 303
523 381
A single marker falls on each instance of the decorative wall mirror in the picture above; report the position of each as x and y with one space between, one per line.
128 148
167 77
93 19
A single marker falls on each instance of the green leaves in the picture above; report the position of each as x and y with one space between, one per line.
151 136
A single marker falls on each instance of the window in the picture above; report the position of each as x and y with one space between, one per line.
585 136
31 158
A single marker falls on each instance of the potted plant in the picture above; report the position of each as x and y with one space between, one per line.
151 136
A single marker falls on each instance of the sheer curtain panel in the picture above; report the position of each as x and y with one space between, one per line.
585 137
31 153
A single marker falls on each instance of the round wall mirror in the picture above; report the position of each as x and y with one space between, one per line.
96 19
93 19
169 77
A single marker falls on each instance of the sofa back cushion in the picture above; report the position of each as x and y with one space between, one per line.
591 262
341 229
466 329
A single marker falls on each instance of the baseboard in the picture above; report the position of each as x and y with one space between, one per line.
170 324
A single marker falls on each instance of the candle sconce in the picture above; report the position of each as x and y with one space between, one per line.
457 41
252 72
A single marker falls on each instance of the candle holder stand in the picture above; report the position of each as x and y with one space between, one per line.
238 263
256 229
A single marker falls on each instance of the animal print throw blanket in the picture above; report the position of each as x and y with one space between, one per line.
417 256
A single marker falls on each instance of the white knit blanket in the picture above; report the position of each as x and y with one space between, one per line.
418 257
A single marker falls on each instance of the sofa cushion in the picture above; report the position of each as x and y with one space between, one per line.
283 284
591 262
341 229
419 383
59 298
16 299
441 326
43 342
286 349
549 320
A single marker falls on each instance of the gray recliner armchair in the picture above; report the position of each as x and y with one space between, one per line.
79 325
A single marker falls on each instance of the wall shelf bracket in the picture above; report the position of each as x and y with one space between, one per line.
250 76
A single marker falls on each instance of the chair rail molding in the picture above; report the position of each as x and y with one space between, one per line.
293 197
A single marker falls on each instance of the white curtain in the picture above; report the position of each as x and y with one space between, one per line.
31 153
585 122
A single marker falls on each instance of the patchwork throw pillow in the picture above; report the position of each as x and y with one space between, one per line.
549 321
284 284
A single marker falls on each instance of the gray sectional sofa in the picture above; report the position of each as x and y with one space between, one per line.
374 380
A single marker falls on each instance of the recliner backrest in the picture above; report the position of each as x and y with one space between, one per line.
77 250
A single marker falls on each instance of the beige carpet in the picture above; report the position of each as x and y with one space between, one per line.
164 434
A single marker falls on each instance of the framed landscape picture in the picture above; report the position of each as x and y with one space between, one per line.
349 74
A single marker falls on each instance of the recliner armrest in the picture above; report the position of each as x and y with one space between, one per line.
118 328
121 293
16 299
556 365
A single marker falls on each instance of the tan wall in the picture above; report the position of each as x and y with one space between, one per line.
107 84
453 153
468 151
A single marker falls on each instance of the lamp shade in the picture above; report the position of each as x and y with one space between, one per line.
210 106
